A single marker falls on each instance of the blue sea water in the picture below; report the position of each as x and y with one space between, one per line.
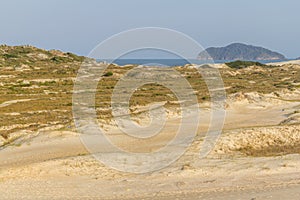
169 62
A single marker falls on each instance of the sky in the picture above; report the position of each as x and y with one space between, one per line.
79 25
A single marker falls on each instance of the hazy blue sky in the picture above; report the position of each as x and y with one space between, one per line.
79 25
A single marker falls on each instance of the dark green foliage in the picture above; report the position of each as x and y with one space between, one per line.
108 74
8 56
243 64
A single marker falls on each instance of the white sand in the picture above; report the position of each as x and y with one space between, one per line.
55 165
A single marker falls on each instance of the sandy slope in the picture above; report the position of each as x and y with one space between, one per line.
55 165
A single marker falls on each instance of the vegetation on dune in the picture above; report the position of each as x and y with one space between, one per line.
239 64
47 79
109 73
18 55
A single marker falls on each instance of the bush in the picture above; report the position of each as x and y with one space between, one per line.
108 74
243 64
8 56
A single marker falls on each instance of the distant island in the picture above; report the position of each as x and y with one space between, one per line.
239 51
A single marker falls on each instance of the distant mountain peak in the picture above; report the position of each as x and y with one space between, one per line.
239 51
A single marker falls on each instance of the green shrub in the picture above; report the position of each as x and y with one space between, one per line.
7 56
108 74
244 64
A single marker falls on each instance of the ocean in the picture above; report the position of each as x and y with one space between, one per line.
169 62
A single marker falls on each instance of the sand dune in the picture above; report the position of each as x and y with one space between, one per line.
255 158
